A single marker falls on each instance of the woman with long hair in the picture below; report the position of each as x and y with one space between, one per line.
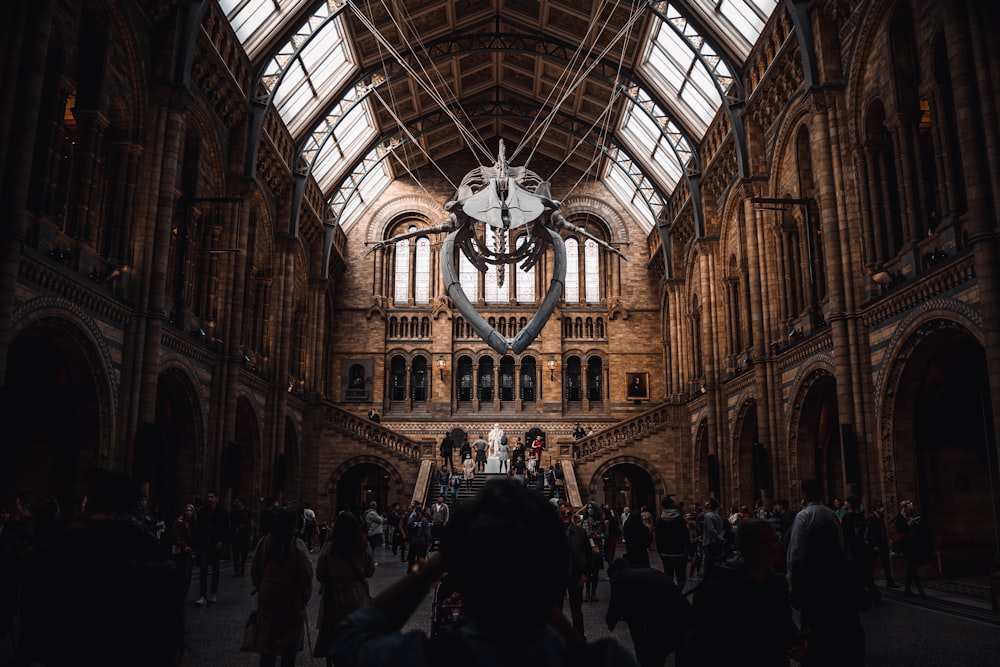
344 566
282 572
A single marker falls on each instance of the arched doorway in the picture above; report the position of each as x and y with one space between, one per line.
944 458
236 475
167 450
360 485
53 419
627 484
753 459
819 450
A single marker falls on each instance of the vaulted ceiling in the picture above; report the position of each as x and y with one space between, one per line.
621 91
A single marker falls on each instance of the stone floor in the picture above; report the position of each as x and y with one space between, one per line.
955 626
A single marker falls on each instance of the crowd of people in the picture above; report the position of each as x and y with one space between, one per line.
751 567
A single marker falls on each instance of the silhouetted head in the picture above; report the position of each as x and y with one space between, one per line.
486 541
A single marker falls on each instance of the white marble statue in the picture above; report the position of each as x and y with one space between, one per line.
494 437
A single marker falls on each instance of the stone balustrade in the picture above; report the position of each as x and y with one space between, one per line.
624 432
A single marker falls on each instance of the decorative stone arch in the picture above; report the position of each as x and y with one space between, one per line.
797 115
182 368
820 369
659 485
872 34
736 455
387 215
611 218
185 378
910 335
396 478
729 228
70 318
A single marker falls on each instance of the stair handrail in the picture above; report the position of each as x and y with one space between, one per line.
369 431
627 430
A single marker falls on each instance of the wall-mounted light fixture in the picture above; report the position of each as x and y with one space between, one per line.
441 365
552 368
882 278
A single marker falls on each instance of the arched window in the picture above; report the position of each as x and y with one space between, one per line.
393 327
525 278
591 271
567 327
507 378
572 286
600 327
401 289
528 379
464 379
419 381
397 379
595 392
422 271
588 326
573 386
578 327
486 379
497 285
468 277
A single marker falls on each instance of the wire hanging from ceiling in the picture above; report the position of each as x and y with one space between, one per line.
390 107
452 97
581 77
605 119
571 63
434 95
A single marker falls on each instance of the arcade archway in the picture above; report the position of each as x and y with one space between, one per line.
53 419
944 458
167 450
817 436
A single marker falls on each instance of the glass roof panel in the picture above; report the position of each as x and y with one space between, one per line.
350 136
323 65
256 21
670 66
625 191
370 187
643 138
737 22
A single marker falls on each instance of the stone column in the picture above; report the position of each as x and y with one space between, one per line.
827 200
18 121
972 109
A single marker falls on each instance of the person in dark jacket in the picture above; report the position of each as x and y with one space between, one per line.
673 542
657 613
211 534
580 553
637 540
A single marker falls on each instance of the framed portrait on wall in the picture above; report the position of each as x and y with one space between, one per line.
638 386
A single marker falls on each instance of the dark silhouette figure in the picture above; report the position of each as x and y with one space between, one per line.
101 591
504 622
657 613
